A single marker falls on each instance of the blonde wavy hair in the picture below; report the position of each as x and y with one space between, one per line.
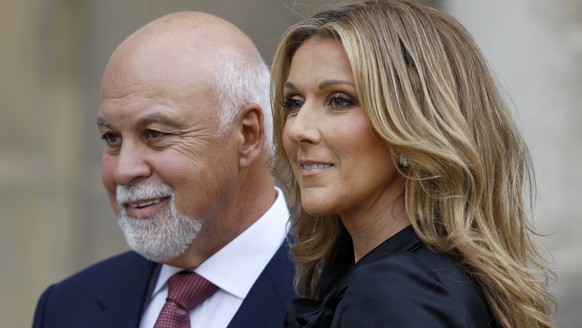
430 96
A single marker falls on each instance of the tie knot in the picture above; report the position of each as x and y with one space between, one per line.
189 289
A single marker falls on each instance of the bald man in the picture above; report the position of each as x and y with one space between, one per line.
186 124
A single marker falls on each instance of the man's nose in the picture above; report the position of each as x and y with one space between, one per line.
131 164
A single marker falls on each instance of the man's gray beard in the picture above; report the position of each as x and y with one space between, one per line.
163 236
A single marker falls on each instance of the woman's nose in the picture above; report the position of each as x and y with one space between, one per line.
303 126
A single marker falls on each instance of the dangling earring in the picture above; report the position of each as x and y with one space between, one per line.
403 161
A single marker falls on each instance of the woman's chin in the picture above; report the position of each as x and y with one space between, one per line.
315 209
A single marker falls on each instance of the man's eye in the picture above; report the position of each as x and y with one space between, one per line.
111 139
153 135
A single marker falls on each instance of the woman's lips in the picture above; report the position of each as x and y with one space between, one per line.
312 167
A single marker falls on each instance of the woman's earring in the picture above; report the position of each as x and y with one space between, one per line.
403 161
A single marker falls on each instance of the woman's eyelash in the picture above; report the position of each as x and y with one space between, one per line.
286 103
336 100
291 103
341 100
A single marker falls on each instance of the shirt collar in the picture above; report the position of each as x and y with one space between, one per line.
236 266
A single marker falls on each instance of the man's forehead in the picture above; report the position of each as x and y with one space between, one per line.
121 116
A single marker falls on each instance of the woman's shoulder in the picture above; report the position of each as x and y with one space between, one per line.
422 270
417 288
417 263
405 261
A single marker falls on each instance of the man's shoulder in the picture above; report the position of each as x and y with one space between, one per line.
119 283
128 264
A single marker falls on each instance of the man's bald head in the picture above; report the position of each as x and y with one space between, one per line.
174 41
194 50
206 34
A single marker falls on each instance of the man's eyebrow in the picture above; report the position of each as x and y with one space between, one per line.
101 121
142 121
156 118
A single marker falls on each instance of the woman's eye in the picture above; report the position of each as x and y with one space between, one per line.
292 104
111 139
340 100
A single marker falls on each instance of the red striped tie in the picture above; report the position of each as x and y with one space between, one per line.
186 290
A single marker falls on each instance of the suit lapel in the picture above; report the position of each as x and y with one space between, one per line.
266 303
123 300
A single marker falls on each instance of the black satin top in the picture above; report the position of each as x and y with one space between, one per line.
401 283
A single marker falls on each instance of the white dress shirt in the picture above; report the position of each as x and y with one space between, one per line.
234 269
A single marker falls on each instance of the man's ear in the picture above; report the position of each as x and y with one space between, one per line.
250 125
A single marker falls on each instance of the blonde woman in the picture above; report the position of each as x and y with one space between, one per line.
406 173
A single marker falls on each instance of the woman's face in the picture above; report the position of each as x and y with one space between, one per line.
341 166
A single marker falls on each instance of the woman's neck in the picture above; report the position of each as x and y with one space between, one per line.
377 227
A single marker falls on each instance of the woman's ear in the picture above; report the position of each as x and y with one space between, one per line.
250 124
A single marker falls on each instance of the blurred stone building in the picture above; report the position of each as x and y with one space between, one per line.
54 216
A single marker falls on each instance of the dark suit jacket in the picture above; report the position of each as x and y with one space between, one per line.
113 294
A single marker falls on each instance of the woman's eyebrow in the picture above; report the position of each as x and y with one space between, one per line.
327 83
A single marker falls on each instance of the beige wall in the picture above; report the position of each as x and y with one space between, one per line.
55 218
